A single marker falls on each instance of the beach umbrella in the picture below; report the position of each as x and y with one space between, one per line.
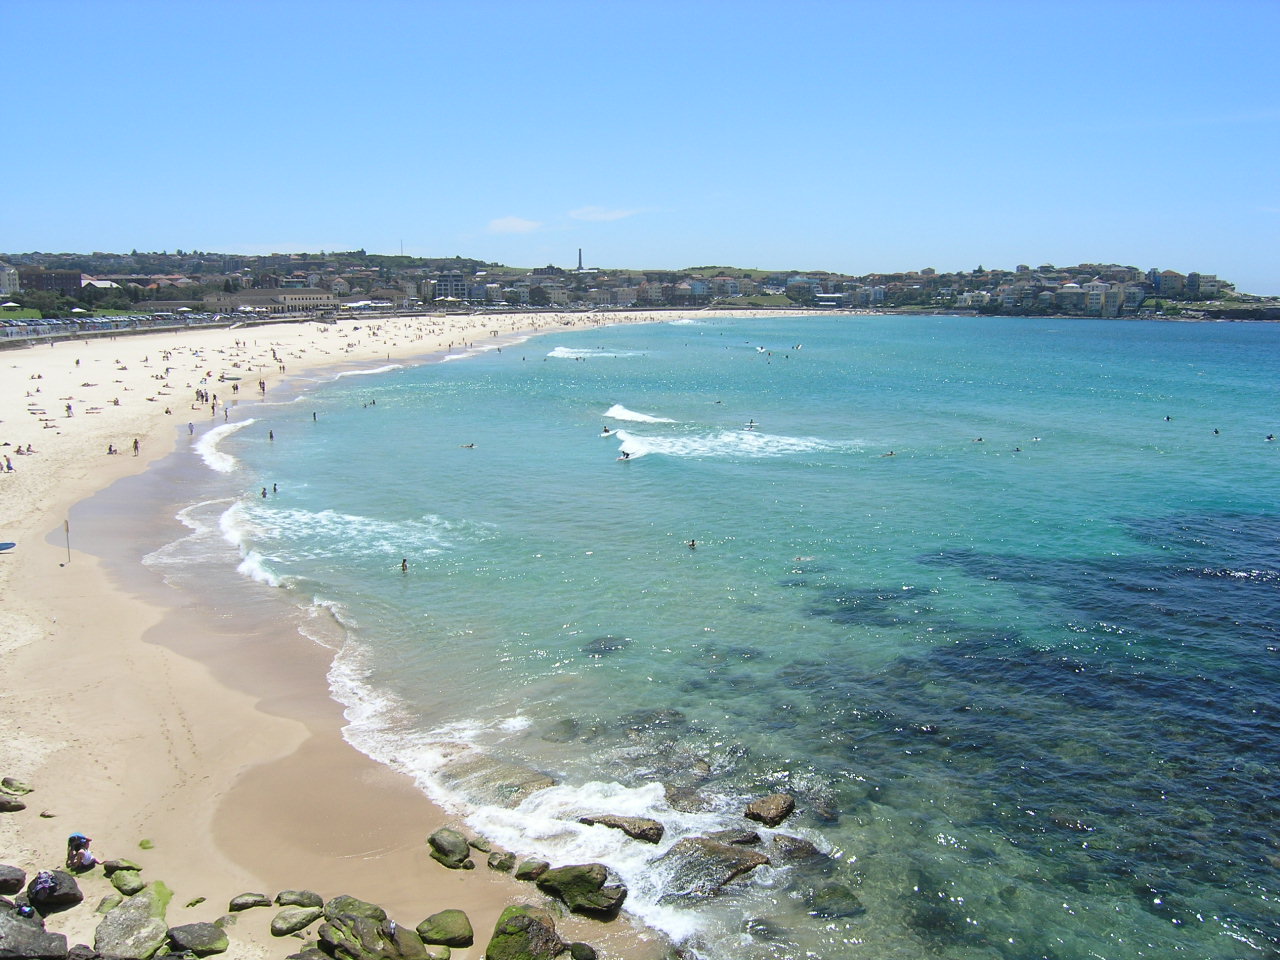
79 310
184 309
9 304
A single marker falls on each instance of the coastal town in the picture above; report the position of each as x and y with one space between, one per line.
84 291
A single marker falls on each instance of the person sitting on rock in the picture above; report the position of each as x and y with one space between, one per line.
79 857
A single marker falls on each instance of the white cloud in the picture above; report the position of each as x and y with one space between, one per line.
513 225
600 213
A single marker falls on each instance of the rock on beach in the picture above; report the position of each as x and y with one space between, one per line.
585 889
524 932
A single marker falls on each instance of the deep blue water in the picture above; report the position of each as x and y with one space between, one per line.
1021 675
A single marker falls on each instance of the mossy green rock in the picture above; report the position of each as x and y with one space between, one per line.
524 932
108 902
531 869
202 939
349 936
582 951
502 861
14 786
350 905
292 919
449 927
135 929
246 901
128 882
450 848
109 867
299 898
584 888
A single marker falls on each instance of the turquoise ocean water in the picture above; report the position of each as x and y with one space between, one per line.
1024 687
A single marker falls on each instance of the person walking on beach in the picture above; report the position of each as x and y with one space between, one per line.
135 446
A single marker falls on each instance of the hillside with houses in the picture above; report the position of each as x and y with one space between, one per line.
329 284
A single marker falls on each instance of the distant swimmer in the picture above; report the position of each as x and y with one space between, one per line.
467 446
693 544
605 432
1017 449
1215 431
977 440
750 425
1035 439
1271 436
1168 419
889 454
404 565
625 455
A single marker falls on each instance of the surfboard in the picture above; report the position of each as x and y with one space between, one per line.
7 546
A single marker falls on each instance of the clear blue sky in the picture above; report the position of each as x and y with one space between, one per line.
847 136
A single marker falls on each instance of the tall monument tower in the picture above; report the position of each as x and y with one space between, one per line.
579 259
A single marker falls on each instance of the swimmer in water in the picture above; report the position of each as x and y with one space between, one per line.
693 544
889 454
468 446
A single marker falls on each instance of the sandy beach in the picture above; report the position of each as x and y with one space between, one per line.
210 753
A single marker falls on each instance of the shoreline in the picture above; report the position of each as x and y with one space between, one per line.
239 779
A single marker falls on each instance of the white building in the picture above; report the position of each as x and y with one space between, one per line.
8 280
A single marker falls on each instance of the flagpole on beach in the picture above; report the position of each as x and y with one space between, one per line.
66 528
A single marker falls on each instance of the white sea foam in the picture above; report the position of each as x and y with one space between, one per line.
290 534
545 823
204 544
578 353
619 412
386 368
207 446
730 444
